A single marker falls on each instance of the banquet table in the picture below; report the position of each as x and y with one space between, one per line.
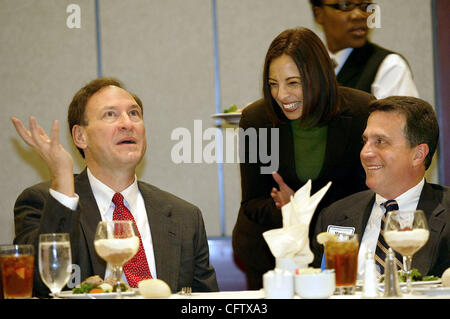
259 294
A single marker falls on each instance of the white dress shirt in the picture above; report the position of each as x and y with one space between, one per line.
406 201
133 200
393 76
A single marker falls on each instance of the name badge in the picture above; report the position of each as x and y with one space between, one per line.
336 230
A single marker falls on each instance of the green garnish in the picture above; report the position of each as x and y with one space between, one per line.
83 289
123 287
415 276
231 109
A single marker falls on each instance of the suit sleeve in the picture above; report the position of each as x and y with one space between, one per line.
204 274
257 204
37 212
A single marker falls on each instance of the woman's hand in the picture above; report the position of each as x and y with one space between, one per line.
283 196
58 160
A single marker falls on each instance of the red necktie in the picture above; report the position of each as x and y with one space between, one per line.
136 269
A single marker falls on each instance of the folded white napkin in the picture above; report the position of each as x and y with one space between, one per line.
292 240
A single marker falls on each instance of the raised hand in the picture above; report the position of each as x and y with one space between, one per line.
58 160
283 196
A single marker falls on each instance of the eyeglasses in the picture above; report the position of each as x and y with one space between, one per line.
349 6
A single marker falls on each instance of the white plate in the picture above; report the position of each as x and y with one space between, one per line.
232 118
430 284
106 295
172 296
437 291
423 283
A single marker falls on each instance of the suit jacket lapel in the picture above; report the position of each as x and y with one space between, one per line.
166 235
89 219
287 156
338 132
359 215
433 210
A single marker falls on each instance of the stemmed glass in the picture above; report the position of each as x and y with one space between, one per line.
406 232
55 261
116 242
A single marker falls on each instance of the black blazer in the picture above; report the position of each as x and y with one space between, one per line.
178 234
342 166
354 211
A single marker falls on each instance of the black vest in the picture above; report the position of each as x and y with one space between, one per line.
361 66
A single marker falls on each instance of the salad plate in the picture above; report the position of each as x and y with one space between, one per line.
231 118
107 295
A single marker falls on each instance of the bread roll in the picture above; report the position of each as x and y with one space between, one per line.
154 288
446 278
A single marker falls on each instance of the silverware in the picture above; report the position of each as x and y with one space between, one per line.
186 291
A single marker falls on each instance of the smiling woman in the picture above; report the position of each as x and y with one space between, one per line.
285 86
305 69
319 127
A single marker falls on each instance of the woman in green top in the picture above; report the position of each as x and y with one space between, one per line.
318 127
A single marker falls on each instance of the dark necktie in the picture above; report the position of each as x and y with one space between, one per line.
136 269
382 247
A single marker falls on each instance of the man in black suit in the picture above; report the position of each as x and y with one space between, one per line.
107 126
399 142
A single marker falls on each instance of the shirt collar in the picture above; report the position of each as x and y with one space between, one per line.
340 57
408 200
103 194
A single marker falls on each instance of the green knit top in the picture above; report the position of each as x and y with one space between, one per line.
309 150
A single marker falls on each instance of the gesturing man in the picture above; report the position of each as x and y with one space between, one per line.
107 127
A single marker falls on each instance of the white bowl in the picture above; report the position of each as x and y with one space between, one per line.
315 286
278 284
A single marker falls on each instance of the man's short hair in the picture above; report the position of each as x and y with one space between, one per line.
421 123
77 108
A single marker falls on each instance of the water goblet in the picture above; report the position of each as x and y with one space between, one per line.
55 261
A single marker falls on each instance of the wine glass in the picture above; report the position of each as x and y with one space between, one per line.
116 242
55 261
406 232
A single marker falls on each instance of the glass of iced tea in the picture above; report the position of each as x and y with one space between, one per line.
17 270
341 254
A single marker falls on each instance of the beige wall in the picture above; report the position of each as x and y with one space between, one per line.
163 51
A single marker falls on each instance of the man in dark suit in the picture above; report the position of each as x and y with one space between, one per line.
399 142
107 127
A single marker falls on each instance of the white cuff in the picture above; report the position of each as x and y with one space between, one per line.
69 202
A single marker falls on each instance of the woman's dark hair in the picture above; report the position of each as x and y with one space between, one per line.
320 88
